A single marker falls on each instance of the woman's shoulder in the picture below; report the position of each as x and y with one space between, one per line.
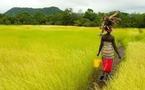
108 37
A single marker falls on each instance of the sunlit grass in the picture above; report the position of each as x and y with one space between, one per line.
46 57
50 57
130 75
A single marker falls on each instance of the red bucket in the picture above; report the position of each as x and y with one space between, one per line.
107 64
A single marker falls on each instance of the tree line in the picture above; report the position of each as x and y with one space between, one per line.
68 17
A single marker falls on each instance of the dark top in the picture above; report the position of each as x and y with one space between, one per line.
108 38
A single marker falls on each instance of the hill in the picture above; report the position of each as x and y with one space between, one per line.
47 11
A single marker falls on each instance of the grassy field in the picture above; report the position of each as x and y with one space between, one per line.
46 57
55 57
130 75
131 72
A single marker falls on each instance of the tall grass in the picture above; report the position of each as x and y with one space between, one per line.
46 57
131 73
50 57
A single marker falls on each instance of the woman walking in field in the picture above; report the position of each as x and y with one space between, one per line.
107 48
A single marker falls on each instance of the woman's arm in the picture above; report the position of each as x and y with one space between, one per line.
101 45
115 48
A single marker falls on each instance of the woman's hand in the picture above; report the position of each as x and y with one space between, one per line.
119 56
98 54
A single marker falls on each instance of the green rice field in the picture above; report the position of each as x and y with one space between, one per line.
61 58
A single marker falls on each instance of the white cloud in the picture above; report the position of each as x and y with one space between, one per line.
97 5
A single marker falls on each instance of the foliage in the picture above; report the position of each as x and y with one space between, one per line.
54 16
47 11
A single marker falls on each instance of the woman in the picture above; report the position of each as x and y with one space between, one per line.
107 48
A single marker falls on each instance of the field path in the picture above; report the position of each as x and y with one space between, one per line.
94 83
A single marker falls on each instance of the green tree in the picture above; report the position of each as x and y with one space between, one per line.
1 18
89 14
68 17
39 18
23 18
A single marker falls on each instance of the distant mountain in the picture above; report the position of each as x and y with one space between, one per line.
46 11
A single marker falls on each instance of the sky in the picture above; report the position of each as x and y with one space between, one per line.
77 5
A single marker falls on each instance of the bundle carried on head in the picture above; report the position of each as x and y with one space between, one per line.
109 21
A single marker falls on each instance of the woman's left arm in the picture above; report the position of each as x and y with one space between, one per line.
101 45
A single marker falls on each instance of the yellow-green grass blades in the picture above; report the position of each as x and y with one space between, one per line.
130 75
46 57
51 57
